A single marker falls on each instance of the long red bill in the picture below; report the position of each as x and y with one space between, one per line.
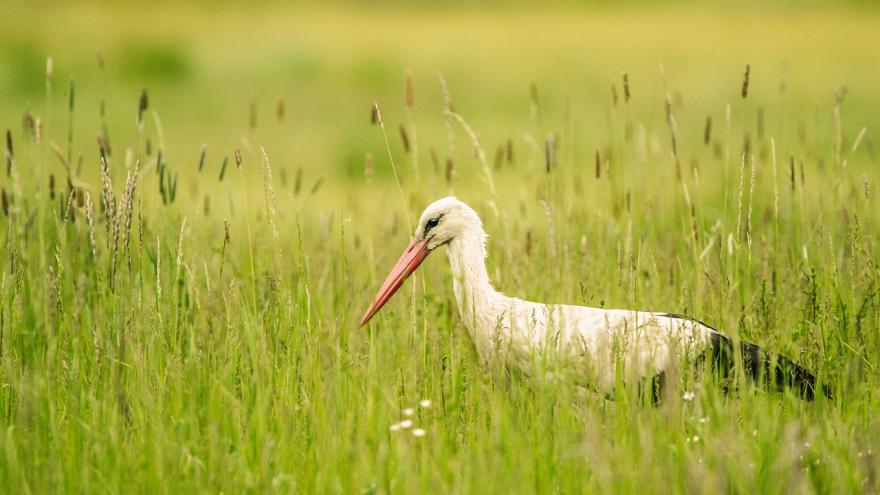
411 258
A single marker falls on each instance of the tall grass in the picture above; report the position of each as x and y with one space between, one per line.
149 343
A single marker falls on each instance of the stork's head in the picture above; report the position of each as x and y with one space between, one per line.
440 223
444 220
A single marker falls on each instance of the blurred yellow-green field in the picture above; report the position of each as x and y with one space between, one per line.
206 65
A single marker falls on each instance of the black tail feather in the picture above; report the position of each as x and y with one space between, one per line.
763 367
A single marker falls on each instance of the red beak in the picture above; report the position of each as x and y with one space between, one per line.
411 258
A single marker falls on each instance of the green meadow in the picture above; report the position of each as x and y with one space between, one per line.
184 317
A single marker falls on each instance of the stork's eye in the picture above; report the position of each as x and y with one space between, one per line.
432 223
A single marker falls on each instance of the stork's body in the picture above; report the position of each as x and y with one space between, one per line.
586 344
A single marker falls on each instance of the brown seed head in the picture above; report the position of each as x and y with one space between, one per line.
745 86
408 89
279 109
707 130
143 104
404 138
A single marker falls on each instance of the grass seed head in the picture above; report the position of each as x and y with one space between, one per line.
237 154
376 115
404 138
408 89
202 152
143 105
745 85
626 93
279 109
707 130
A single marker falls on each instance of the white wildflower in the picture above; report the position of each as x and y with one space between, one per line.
409 412
406 424
425 403
418 432
395 427
688 396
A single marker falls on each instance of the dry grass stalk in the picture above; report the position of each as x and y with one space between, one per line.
269 193
4 201
223 167
408 90
549 154
108 198
742 178
450 170
745 85
598 165
52 186
9 152
237 154
279 109
317 185
226 240
143 105
775 180
499 157
626 93
297 181
53 298
613 95
202 152
510 151
748 231
28 125
707 130
90 219
404 138
376 115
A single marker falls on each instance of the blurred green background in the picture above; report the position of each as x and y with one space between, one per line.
213 71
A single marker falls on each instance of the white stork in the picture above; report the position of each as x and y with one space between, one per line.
591 345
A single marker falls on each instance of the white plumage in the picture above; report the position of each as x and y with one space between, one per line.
588 345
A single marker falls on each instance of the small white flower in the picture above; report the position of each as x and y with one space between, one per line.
395 427
688 396
418 432
408 412
406 424
754 433
703 420
696 439
425 403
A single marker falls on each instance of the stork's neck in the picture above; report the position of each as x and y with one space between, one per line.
479 304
